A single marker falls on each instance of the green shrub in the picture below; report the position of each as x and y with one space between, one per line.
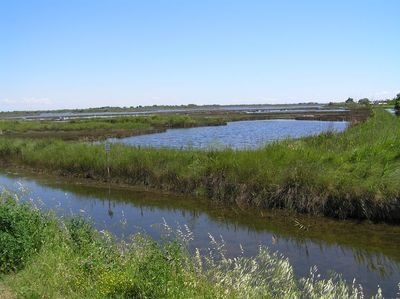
22 233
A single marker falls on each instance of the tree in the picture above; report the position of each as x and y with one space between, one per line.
349 101
364 101
397 105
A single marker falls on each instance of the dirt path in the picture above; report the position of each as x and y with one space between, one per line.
5 292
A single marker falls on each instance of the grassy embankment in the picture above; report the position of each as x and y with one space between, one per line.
98 128
42 257
351 174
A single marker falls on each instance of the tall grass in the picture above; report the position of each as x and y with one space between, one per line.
127 122
72 260
349 174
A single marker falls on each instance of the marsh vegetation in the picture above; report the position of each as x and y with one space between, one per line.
43 256
361 250
349 174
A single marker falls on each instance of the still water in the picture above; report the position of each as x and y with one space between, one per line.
147 111
368 252
237 135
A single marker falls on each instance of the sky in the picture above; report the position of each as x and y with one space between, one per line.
77 54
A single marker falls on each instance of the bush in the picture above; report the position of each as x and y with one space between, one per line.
349 101
364 101
397 105
22 233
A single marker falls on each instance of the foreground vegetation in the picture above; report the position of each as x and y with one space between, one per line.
350 174
42 257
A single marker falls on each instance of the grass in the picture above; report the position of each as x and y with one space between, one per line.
350 174
69 259
127 122
129 125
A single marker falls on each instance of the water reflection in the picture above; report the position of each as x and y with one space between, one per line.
365 251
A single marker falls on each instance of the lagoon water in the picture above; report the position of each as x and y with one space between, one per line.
148 111
236 135
391 110
368 252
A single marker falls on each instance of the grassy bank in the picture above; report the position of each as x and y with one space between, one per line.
43 257
103 127
351 174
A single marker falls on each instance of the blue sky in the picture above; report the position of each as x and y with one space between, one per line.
74 53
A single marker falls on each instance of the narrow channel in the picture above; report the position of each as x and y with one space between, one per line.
365 251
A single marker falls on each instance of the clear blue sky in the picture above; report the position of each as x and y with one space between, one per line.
82 53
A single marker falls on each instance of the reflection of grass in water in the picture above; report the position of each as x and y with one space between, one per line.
70 259
373 240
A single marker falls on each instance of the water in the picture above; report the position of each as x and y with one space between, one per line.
237 135
368 252
74 114
391 110
241 108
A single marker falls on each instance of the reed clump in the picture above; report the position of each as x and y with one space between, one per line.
349 174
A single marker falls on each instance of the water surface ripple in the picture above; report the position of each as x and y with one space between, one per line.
236 135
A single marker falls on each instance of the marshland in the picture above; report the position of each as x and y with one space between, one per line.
349 174
199 149
273 194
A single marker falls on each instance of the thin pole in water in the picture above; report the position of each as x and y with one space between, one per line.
107 147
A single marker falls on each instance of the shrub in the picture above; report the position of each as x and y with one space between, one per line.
22 233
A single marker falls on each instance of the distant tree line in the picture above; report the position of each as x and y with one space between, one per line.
364 101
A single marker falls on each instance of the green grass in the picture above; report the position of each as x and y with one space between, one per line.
131 122
69 259
350 174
